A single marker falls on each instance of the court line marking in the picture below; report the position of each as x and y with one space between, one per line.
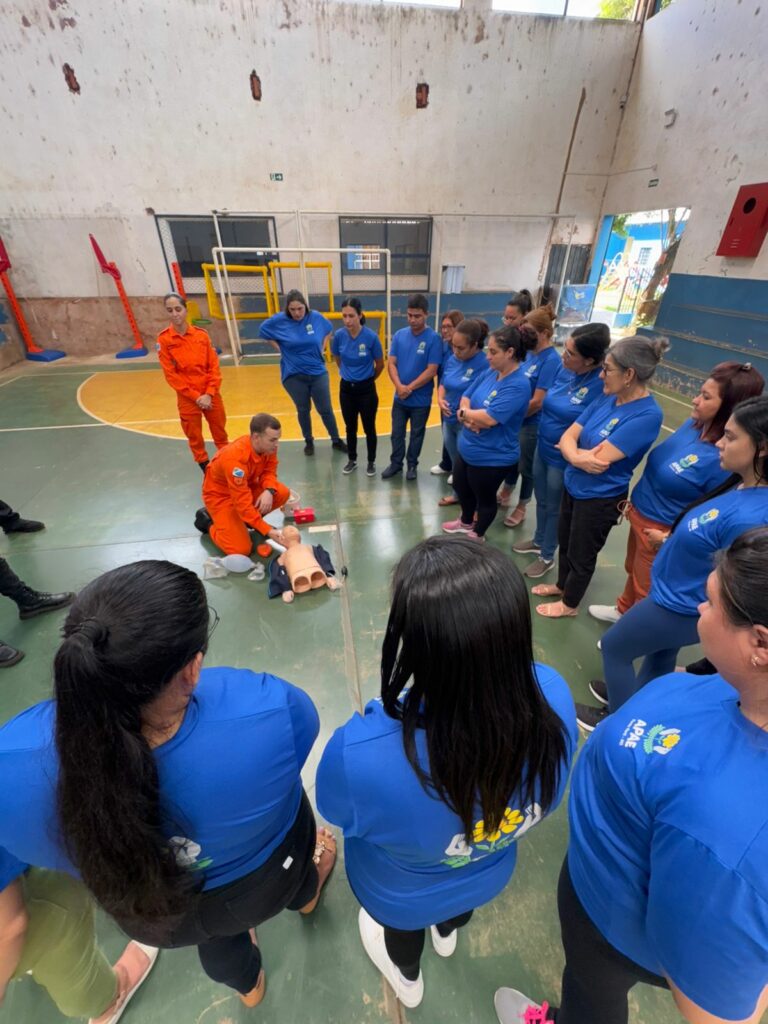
3 383
55 426
669 398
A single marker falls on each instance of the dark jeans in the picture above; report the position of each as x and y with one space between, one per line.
218 920
305 389
597 978
476 487
528 437
647 631
401 415
405 948
10 584
7 516
583 530
446 462
359 398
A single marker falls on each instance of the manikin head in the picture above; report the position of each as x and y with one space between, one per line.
291 537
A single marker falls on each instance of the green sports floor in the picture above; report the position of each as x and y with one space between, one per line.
109 497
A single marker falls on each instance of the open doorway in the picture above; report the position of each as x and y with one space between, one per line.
639 253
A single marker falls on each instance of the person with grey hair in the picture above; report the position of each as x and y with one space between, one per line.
602 449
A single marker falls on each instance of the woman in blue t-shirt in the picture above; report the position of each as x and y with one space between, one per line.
541 367
299 334
677 472
665 880
491 411
467 748
657 627
576 386
466 362
602 447
172 790
360 359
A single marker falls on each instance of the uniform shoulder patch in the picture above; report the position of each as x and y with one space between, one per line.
238 473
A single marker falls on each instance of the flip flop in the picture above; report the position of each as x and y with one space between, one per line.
448 500
546 611
546 590
322 845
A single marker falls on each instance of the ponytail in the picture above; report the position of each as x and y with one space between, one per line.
127 635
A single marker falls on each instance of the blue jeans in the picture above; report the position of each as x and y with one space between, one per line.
305 389
418 417
548 485
451 431
646 631
529 433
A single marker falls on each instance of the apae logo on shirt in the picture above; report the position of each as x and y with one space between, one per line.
656 740
579 396
361 349
490 397
609 426
468 373
703 519
685 463
513 824
186 852
422 348
310 329
531 370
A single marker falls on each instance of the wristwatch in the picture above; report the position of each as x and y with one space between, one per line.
271 490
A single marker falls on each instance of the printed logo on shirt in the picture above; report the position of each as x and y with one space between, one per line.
513 824
468 372
579 396
656 740
490 397
361 349
310 329
531 370
157 346
422 348
685 463
703 519
609 426
186 852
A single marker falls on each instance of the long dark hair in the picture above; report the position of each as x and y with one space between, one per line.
459 632
522 300
521 340
752 416
294 295
735 382
126 636
743 573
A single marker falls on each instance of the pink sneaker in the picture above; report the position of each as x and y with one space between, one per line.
475 536
456 526
514 1007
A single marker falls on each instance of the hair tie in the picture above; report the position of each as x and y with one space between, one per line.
746 366
92 630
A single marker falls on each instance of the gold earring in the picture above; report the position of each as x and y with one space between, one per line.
754 661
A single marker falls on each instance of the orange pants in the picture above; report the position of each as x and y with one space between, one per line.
191 416
228 531
640 556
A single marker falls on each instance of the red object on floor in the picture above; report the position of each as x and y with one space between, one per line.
303 515
264 550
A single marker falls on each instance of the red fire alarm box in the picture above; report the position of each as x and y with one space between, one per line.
748 223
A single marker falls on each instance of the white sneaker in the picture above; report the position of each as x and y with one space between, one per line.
512 1007
437 470
410 993
605 612
450 480
599 645
444 946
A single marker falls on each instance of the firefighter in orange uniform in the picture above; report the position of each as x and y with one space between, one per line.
191 367
241 487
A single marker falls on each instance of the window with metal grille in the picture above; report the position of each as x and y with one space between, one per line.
188 241
408 238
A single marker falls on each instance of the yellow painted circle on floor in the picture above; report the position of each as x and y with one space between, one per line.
142 401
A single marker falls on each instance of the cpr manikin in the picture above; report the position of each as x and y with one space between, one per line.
301 566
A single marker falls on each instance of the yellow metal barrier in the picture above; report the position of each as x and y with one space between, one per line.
214 302
282 265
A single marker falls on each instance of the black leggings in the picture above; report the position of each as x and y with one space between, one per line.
597 978
476 487
582 531
359 398
218 920
405 948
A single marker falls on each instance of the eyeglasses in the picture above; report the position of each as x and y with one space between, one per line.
568 352
215 620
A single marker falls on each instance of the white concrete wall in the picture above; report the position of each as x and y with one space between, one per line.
165 120
706 60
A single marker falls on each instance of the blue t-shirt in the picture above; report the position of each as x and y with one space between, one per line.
677 472
229 779
680 570
357 354
541 369
458 375
404 850
631 427
669 839
505 401
300 341
564 402
10 868
414 353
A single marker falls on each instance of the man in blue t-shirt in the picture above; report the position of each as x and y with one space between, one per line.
415 355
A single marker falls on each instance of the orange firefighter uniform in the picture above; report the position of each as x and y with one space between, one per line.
235 480
191 367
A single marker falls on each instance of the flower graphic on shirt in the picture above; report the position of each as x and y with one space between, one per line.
186 852
510 822
660 740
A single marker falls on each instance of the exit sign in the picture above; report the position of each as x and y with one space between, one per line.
276 176
653 182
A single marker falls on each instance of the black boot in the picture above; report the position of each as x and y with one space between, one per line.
33 602
204 465
9 655
24 526
203 520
